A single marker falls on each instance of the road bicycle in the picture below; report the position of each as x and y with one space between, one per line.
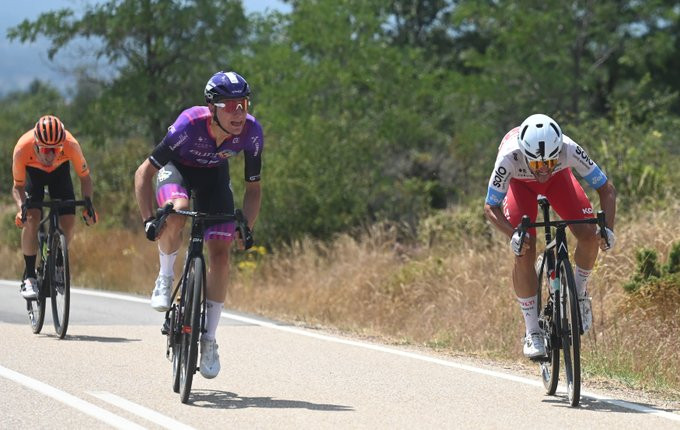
185 320
560 318
52 267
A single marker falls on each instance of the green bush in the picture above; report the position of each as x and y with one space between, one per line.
649 270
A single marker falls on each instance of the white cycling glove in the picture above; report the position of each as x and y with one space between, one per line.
516 242
611 238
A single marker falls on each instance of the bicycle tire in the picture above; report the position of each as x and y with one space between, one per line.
60 289
191 327
571 333
175 344
36 307
550 369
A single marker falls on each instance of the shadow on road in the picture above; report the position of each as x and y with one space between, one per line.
591 404
227 400
103 339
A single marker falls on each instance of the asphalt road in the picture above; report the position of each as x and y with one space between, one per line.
111 371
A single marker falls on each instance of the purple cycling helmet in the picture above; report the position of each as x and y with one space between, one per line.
226 85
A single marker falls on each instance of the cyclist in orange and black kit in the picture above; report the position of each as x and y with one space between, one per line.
42 157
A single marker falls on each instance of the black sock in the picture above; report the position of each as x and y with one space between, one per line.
30 266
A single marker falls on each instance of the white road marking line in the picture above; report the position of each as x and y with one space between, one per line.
69 400
139 410
415 356
621 403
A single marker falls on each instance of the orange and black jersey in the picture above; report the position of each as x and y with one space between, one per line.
25 156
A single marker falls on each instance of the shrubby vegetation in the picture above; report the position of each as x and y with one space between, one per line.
372 111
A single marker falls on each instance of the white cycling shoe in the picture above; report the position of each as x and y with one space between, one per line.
586 313
29 288
534 345
210 359
160 298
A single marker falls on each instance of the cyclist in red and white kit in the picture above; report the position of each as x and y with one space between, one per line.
536 158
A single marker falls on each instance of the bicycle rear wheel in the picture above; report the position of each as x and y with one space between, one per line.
60 287
571 334
549 368
191 327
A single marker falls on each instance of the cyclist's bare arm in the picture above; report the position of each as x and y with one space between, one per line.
607 194
251 202
86 186
18 194
144 188
495 215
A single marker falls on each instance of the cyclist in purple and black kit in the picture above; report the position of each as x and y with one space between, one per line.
193 158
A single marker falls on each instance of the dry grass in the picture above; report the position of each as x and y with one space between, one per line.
453 297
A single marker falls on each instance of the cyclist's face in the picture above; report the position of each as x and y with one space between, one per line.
232 114
46 155
542 171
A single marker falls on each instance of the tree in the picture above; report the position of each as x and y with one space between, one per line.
159 54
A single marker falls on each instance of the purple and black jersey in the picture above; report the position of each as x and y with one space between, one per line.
189 142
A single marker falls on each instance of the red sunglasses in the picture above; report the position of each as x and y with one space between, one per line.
231 106
46 150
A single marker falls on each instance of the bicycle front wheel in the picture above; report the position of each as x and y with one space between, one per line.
60 287
549 368
175 343
191 326
571 334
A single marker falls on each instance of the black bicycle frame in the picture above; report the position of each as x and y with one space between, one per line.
53 227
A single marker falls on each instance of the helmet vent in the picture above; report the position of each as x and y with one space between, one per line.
557 130
524 130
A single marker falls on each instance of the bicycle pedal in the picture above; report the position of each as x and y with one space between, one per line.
540 359
166 328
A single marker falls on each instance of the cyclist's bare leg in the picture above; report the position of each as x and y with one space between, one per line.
170 238
29 234
66 222
587 246
218 269
524 277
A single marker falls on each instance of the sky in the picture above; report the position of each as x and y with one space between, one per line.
22 63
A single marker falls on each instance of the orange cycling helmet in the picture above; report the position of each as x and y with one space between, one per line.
49 131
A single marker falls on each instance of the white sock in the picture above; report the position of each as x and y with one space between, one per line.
212 318
528 306
167 263
581 278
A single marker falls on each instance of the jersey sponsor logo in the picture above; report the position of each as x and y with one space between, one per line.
584 157
84 168
254 178
201 153
493 199
256 141
587 211
171 129
499 176
180 141
163 174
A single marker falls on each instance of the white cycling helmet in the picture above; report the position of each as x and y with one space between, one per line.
540 138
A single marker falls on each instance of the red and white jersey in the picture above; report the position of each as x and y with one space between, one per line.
512 163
